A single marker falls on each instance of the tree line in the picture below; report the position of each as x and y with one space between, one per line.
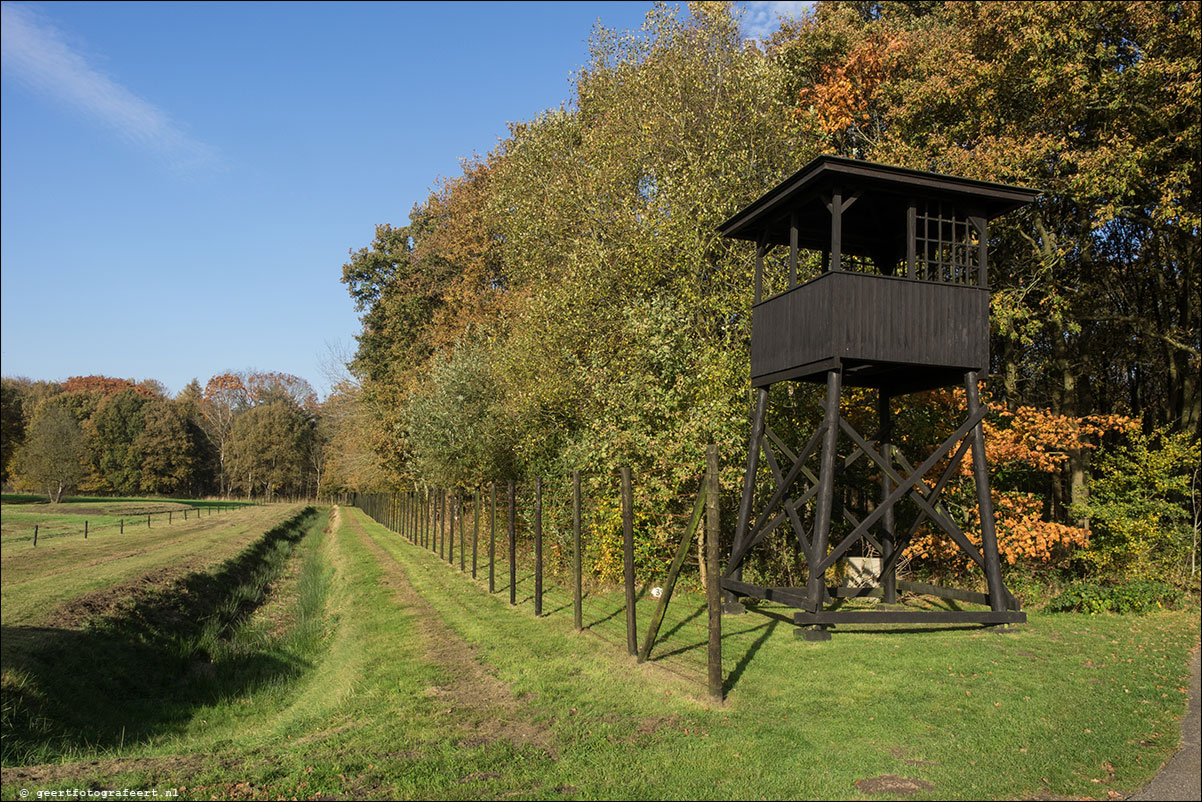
249 434
566 302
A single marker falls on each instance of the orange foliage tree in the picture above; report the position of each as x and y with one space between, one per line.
1026 449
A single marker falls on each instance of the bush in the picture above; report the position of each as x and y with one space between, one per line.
1139 596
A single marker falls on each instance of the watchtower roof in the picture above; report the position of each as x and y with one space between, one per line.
886 188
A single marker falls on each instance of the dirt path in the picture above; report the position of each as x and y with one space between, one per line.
487 706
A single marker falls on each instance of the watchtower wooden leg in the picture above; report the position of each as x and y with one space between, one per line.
826 486
989 549
888 578
730 605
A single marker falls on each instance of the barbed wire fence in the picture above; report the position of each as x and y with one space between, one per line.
634 569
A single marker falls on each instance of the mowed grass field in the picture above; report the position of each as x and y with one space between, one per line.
321 656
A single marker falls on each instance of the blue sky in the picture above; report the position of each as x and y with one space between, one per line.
181 182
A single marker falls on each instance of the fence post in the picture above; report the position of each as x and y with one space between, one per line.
538 547
577 613
35 536
462 538
632 635
713 591
492 538
168 516
85 529
475 528
513 586
451 499
122 526
147 520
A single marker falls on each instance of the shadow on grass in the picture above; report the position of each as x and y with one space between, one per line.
142 668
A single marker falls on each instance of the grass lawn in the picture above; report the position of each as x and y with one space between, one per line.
20 513
363 667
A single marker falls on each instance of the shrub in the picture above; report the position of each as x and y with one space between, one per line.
1139 596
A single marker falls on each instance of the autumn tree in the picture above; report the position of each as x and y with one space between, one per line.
268 450
225 396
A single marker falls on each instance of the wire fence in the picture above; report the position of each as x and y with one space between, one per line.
583 547
142 520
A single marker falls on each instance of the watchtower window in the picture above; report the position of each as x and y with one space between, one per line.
949 245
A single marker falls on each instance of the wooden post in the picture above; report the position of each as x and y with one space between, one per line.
459 510
147 520
513 588
85 529
733 606
475 528
632 635
35 536
123 526
577 594
538 547
793 250
492 538
168 516
836 230
451 499
826 487
888 581
713 594
980 470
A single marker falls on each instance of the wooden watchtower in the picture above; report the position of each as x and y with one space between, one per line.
901 305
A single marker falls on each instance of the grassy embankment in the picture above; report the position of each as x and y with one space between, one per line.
374 670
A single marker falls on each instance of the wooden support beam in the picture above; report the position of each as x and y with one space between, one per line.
835 617
794 597
682 551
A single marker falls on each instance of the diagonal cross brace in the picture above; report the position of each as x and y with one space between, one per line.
790 508
924 500
904 486
737 554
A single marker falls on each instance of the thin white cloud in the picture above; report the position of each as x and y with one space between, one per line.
761 19
35 55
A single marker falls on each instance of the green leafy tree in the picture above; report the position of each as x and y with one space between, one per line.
166 452
114 429
12 422
53 455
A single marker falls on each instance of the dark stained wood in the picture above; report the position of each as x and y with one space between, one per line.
891 185
682 551
835 617
577 588
513 569
993 566
632 635
492 538
883 330
538 547
713 590
794 597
